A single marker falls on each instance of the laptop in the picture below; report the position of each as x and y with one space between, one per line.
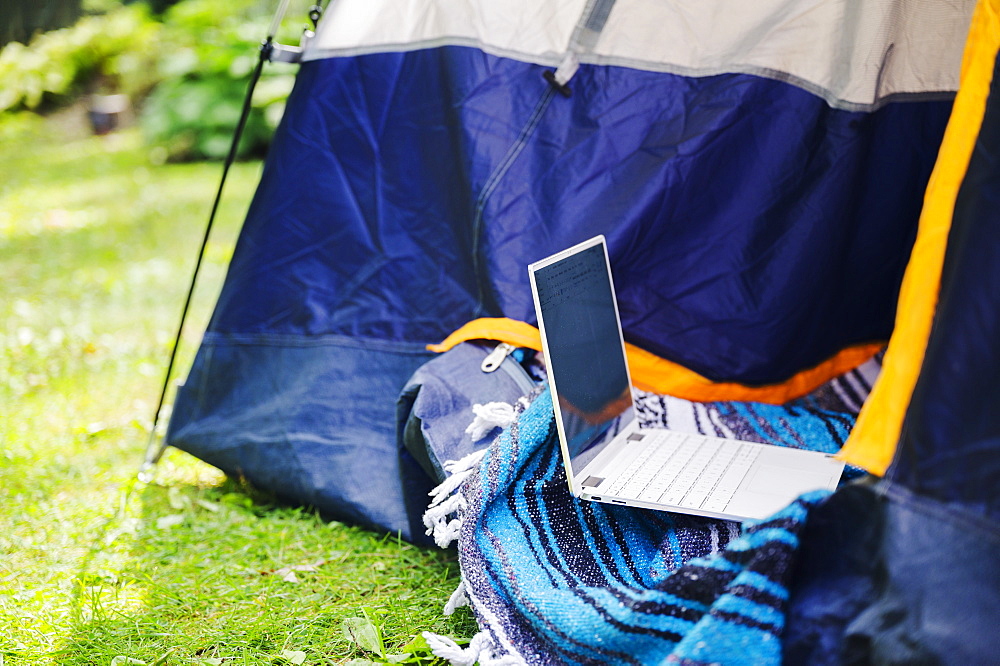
608 456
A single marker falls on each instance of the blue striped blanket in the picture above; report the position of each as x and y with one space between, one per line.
555 580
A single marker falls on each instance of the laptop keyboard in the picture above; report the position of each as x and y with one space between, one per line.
691 471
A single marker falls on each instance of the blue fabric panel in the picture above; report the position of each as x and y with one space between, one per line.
753 230
950 444
361 223
311 420
887 577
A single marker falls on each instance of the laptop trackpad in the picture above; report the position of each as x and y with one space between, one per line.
772 487
785 481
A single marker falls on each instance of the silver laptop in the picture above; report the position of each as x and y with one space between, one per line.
608 457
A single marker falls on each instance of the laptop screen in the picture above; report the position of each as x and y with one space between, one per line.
578 317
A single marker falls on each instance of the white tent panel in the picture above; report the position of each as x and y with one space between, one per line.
854 54
532 30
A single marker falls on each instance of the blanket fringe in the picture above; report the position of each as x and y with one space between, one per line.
443 520
443 516
481 650
489 416
457 599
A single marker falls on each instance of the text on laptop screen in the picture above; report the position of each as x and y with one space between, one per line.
586 362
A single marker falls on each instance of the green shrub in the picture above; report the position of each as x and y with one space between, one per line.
196 59
211 48
195 117
108 53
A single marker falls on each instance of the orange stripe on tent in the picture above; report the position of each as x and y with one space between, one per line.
652 373
872 443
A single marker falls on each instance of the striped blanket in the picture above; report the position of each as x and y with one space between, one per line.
554 580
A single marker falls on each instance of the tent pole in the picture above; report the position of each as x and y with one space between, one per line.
155 446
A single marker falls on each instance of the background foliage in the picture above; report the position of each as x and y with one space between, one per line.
100 53
209 52
185 70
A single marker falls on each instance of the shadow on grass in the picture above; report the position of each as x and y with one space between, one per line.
223 574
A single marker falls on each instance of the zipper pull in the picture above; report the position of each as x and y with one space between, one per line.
496 357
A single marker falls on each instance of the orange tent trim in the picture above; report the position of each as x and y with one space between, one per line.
653 373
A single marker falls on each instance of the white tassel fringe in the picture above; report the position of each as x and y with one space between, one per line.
489 416
458 599
480 650
442 518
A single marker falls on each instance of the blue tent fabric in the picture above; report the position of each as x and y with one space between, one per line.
754 229
364 227
302 418
757 224
951 436
920 584
885 576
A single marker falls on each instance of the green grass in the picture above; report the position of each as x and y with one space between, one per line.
96 248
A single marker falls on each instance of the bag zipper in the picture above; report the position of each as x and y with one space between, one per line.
499 357
496 357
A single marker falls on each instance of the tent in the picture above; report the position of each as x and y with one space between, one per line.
759 171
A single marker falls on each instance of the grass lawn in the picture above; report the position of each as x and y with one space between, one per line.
97 245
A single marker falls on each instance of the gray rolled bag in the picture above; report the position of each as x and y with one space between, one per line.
435 408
